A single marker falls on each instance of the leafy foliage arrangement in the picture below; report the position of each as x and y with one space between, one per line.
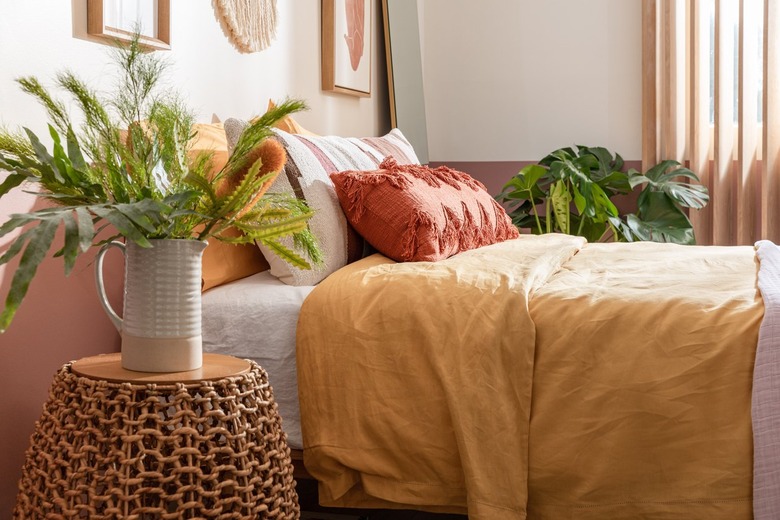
575 187
128 169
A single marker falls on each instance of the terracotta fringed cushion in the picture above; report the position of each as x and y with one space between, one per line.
415 213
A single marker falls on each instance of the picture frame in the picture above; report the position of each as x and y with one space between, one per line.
346 47
117 19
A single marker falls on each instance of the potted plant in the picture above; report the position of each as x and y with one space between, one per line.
127 170
574 189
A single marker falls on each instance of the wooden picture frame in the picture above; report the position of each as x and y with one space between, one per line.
115 20
346 46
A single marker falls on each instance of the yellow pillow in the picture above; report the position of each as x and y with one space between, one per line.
223 263
288 124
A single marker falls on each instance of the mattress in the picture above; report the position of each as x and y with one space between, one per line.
255 318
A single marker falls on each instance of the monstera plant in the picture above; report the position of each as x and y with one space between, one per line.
127 168
571 191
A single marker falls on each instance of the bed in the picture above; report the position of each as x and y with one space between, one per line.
630 370
535 377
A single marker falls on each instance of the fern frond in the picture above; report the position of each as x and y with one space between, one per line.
54 108
286 254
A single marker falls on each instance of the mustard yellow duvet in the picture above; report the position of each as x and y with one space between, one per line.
539 378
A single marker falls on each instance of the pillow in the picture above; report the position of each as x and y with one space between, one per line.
223 263
415 213
310 160
288 124
234 127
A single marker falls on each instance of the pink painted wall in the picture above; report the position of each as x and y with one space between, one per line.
494 174
60 320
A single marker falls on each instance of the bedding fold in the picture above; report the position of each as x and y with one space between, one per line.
642 382
538 378
430 360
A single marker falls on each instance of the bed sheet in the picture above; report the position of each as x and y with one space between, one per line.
255 318
639 356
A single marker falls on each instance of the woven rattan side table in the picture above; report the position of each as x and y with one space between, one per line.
116 444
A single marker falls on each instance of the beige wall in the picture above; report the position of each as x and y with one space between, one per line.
514 80
61 320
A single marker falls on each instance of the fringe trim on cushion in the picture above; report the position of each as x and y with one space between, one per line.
433 177
354 188
450 238
473 233
504 227
419 220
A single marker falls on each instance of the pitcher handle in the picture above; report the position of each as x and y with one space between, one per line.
115 319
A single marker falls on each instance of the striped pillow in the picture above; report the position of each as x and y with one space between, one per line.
310 161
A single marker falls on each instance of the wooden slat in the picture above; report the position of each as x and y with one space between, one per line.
649 76
668 86
747 172
699 135
682 53
723 197
770 182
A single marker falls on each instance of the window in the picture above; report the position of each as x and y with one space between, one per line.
711 98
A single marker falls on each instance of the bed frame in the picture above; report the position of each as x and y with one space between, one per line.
306 486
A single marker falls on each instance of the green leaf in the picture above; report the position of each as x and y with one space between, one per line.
46 164
16 246
11 182
560 199
74 152
604 207
61 161
86 228
529 176
71 248
660 220
38 245
124 225
202 184
660 231
145 214
275 229
16 220
617 181
659 169
579 200
682 193
286 254
592 231
688 195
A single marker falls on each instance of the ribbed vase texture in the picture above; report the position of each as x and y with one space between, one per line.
162 289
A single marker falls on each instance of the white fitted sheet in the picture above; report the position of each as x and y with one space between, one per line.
255 318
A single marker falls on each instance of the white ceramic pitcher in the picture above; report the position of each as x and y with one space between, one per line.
161 322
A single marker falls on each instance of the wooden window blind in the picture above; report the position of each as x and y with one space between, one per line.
711 98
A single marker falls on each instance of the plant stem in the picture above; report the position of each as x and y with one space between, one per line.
568 220
536 213
579 228
548 207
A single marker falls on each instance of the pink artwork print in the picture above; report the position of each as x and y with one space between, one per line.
356 13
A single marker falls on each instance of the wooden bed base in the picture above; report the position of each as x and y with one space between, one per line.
307 495
299 471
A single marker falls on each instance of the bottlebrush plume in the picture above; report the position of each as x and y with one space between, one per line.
272 156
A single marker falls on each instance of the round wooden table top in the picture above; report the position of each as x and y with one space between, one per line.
108 367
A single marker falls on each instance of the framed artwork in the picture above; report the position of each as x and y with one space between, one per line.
118 19
346 46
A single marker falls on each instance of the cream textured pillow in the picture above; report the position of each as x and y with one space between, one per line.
310 161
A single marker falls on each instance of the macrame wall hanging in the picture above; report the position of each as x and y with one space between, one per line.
250 25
